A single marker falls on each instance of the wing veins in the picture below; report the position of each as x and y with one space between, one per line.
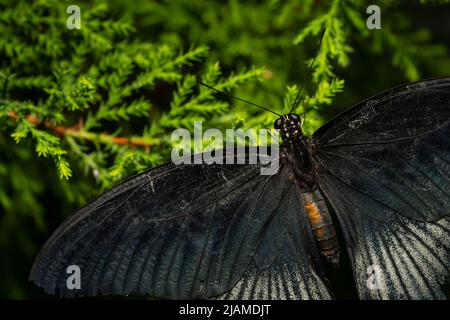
394 265
202 206
197 269
382 184
419 136
383 165
263 231
360 191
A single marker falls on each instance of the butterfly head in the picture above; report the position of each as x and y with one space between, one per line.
289 126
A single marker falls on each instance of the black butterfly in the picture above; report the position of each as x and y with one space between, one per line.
226 231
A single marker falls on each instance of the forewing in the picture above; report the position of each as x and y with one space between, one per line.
384 165
188 231
395 148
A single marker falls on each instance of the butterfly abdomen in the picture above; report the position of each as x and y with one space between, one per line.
322 226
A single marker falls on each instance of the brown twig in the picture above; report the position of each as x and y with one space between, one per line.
78 132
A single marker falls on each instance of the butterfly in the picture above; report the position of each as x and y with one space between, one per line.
379 174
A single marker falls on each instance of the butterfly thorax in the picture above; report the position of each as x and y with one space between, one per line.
297 151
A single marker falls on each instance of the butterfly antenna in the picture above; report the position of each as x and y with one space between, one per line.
236 98
272 134
307 74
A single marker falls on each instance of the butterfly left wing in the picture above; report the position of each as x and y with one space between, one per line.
188 231
384 166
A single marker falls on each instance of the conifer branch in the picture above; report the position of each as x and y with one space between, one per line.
77 131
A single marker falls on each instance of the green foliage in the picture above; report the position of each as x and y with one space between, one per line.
82 109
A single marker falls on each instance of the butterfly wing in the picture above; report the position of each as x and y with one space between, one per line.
399 259
287 262
385 169
186 231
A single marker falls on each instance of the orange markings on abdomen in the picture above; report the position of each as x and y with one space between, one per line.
322 226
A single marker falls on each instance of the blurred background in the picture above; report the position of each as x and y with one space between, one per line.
81 109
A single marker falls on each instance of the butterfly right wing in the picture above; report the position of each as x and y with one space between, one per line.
401 259
384 166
